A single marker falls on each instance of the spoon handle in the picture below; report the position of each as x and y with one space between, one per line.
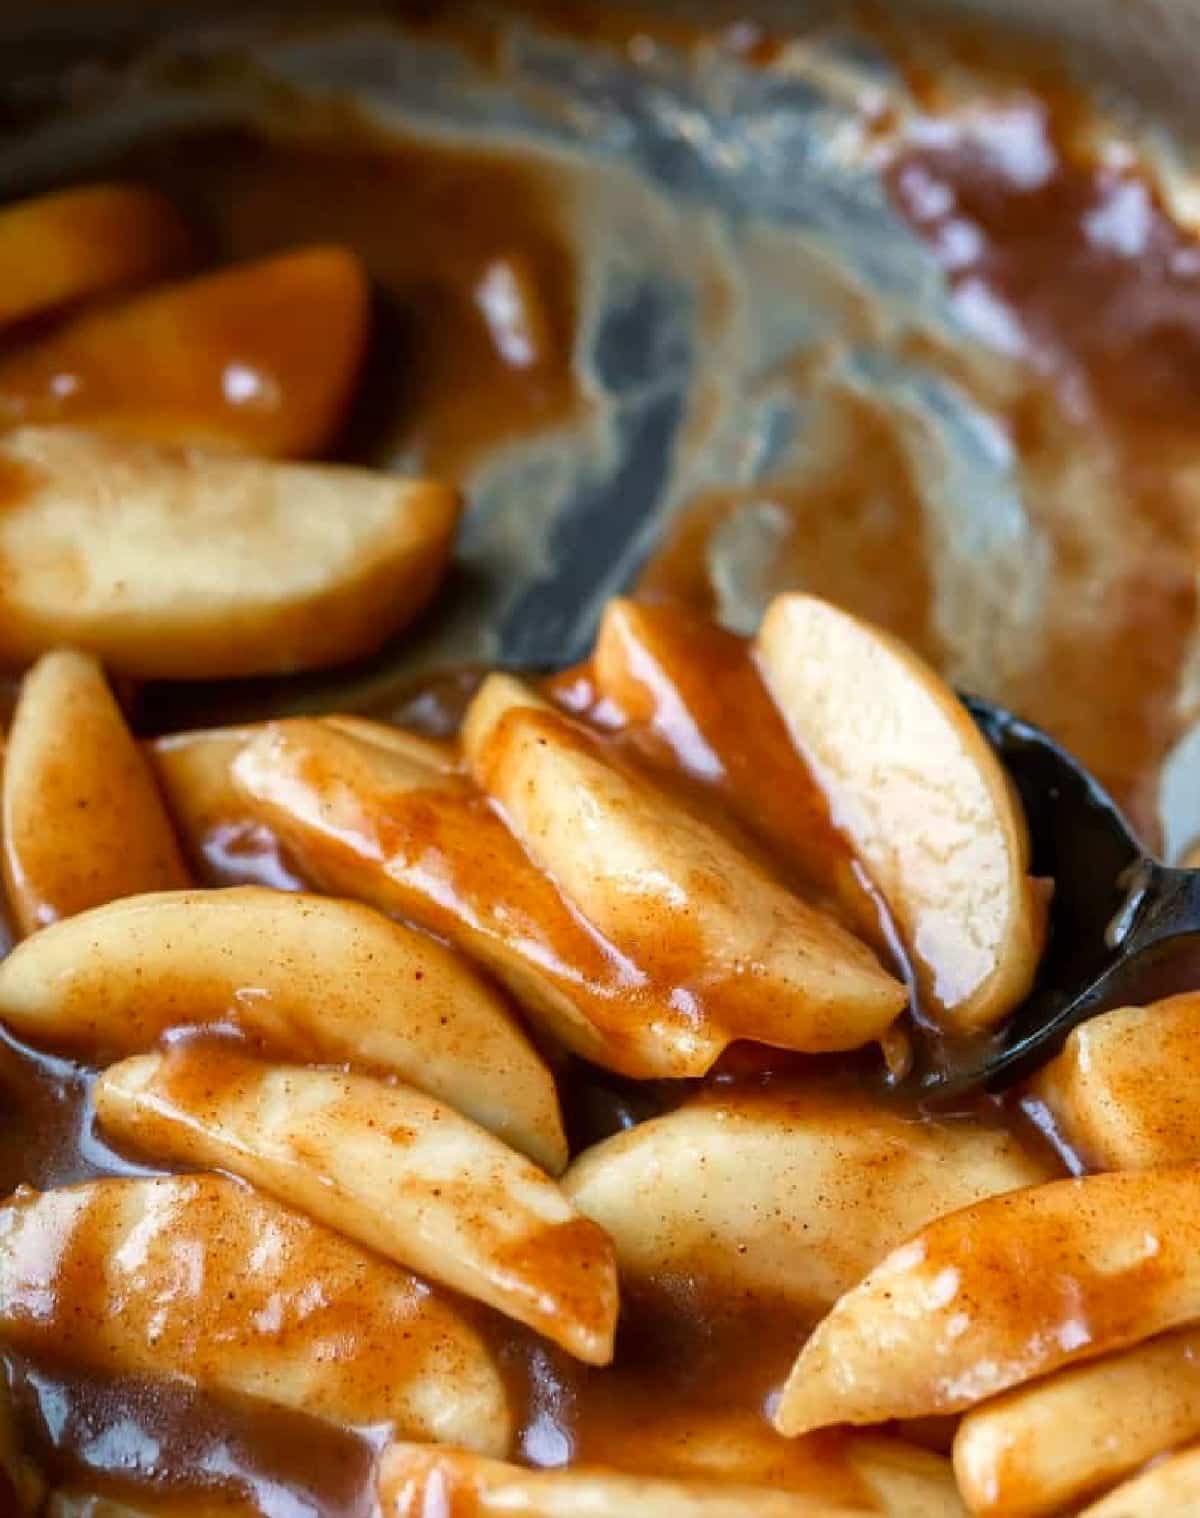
1163 905
1150 937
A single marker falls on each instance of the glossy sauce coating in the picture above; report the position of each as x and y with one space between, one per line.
430 849
200 1279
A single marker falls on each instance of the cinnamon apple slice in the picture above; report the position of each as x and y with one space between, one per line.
261 358
418 1480
168 563
1170 1487
83 820
385 1165
366 821
1125 1091
644 1434
1002 1292
691 689
926 804
59 249
673 892
201 1279
214 820
788 1198
306 976
1040 1449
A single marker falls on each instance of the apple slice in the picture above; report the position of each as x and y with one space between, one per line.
200 1279
75 1504
497 695
640 1432
386 1166
1039 1449
1001 1292
174 564
418 1480
195 770
692 690
424 845
83 820
21 1485
676 895
223 845
789 1198
432 752
922 798
62 248
309 977
262 358
1172 1487
1125 1091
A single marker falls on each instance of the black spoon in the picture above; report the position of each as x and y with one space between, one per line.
1121 923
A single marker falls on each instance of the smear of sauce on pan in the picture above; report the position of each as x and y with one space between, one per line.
1074 268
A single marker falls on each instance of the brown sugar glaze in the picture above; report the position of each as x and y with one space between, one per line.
1098 294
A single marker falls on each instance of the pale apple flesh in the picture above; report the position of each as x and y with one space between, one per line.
876 1472
676 896
923 800
434 753
307 977
1124 1094
1170 1488
416 1480
1003 1291
169 563
259 358
84 823
498 695
59 249
1039 1449
788 1198
375 1346
385 1165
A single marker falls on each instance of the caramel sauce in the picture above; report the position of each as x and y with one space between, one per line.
107 1436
